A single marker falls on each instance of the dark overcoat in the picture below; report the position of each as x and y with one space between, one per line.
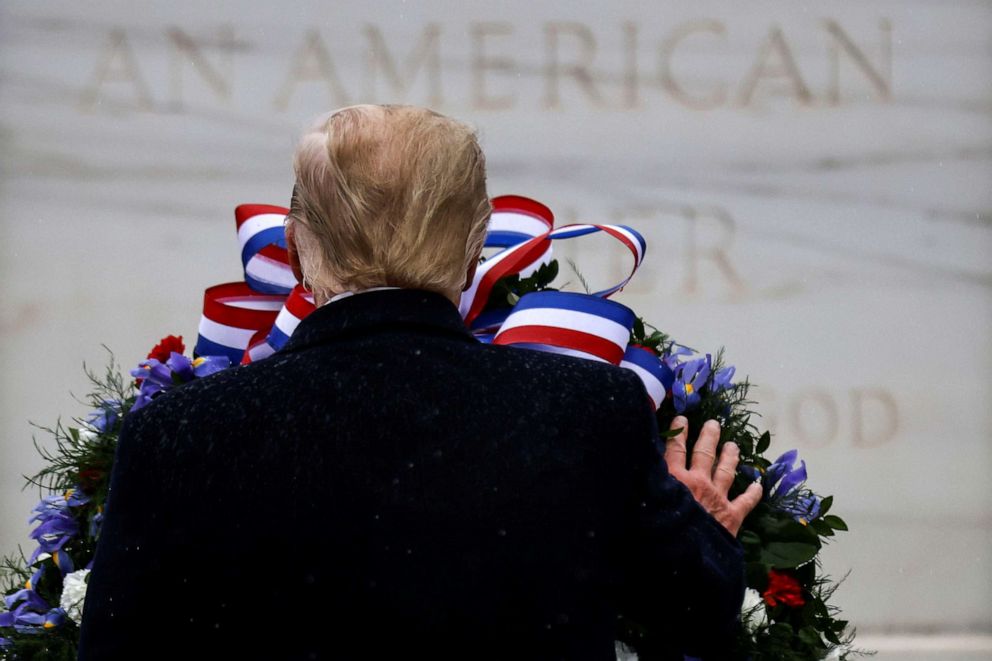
388 487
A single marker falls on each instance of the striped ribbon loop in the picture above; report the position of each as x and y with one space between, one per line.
516 219
234 317
250 320
525 257
298 305
656 375
574 324
261 234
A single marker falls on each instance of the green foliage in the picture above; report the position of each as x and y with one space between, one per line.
81 458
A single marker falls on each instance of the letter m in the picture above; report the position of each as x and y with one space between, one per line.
425 54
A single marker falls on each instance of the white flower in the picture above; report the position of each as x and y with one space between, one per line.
74 593
87 434
753 611
839 652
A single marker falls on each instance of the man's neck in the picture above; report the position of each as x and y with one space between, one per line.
346 294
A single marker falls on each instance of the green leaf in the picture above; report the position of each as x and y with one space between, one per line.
750 538
825 505
835 522
811 637
639 328
763 442
672 433
822 528
786 555
552 271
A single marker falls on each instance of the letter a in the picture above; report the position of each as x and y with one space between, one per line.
118 65
312 63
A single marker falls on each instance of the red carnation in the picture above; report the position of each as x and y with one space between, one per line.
783 589
166 346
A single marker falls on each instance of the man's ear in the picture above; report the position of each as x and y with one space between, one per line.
294 255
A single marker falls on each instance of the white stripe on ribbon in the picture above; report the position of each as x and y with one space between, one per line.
287 322
256 224
228 336
260 351
271 271
514 221
262 302
656 390
572 320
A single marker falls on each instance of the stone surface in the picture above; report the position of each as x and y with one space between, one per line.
812 181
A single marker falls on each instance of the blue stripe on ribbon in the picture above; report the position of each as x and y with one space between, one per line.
266 287
505 238
651 364
588 303
276 235
491 318
205 347
570 232
276 338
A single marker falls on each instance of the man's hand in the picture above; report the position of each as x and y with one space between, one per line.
710 483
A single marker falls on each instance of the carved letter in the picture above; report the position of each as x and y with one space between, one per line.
831 421
482 63
426 53
717 252
880 78
668 82
312 63
775 43
579 70
631 98
185 50
883 418
118 65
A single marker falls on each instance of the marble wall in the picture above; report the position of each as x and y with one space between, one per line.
812 178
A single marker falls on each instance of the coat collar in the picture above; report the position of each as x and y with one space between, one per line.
412 310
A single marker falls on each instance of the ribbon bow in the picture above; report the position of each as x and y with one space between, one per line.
250 320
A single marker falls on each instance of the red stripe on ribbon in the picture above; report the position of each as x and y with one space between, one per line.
524 254
217 309
297 303
274 253
524 205
245 211
565 338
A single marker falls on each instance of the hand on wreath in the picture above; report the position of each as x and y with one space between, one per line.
709 480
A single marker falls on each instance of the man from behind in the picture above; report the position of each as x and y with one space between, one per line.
386 485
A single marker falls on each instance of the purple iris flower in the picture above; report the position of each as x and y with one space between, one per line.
95 524
673 357
76 497
804 507
56 527
26 611
105 417
157 377
5 642
54 618
782 477
721 379
690 377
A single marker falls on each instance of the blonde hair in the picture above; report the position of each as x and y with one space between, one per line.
388 196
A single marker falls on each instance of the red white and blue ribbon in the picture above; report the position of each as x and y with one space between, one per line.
250 320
